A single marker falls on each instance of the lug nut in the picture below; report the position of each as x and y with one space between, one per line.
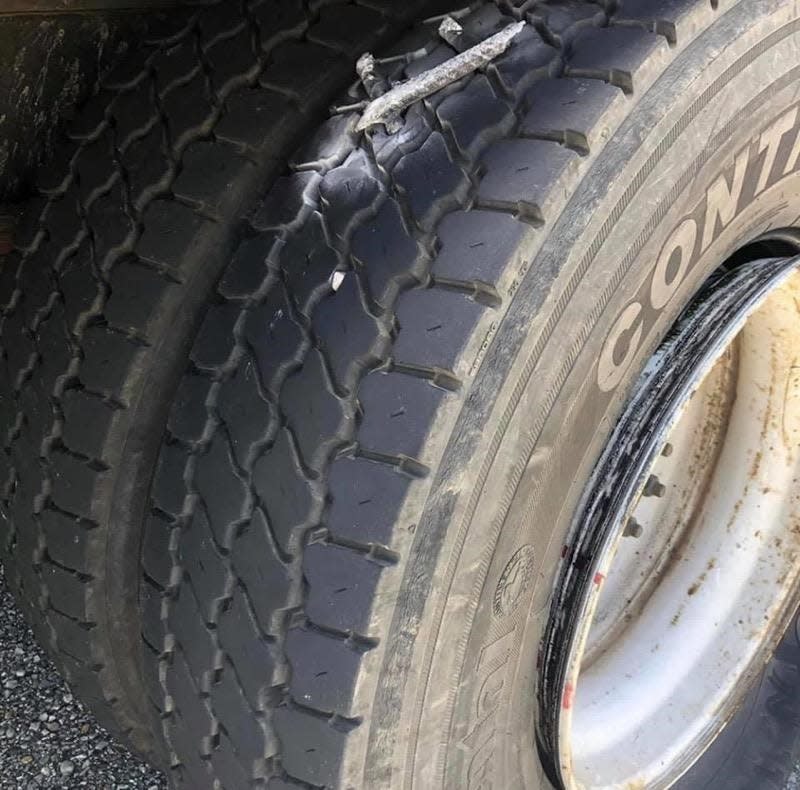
654 487
633 529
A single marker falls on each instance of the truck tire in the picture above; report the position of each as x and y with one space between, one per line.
115 263
304 462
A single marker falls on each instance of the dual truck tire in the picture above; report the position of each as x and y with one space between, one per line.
296 416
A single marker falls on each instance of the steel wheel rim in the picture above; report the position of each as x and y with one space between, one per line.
638 675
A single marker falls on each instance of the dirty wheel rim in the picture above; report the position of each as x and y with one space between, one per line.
682 568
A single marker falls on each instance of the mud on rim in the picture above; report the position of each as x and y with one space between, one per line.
682 569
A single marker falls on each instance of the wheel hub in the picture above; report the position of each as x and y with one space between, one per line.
682 570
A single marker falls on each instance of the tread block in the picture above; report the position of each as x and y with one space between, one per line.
167 225
193 770
344 27
310 746
347 333
615 54
63 217
521 174
284 491
123 75
341 588
323 670
397 412
258 121
384 251
197 644
259 569
151 600
168 490
133 287
308 262
73 484
208 573
72 637
475 116
236 717
29 481
224 494
573 106
277 21
21 353
210 173
289 67
108 357
189 112
78 284
55 351
9 272
231 61
87 421
431 181
251 654
219 22
228 766
328 146
250 266
346 193
132 112
92 118
157 547
38 418
486 239
65 590
94 168
434 327
113 230
146 164
484 21
66 540
525 61
365 500
282 205
36 286
189 414
663 16
216 340
248 417
313 412
197 718
564 18
275 340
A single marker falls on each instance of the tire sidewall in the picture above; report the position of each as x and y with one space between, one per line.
468 713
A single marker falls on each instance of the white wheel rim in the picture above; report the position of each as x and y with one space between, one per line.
677 621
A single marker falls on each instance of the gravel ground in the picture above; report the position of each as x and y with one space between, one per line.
47 738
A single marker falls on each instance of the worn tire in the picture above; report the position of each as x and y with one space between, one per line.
364 482
116 261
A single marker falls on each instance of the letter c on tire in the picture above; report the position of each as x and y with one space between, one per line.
627 330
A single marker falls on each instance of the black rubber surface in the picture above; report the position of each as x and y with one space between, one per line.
113 267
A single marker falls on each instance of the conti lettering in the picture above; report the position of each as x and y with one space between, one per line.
770 156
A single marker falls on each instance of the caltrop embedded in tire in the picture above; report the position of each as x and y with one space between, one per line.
308 420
